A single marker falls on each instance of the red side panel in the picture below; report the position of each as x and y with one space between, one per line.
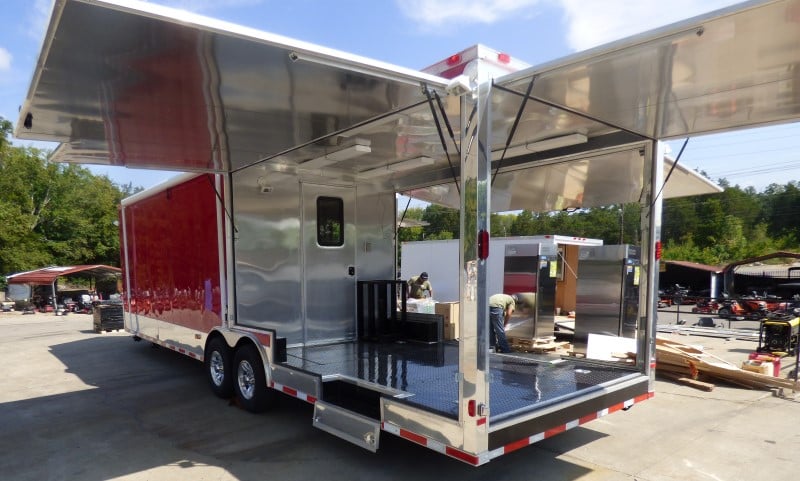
174 255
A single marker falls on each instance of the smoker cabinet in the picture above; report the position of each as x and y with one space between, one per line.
530 271
607 292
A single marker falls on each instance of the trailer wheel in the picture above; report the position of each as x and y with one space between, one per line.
251 383
724 312
217 360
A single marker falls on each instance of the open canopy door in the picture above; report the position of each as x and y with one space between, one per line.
732 68
134 84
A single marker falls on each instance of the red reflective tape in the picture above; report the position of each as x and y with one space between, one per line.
587 418
290 391
481 421
311 399
615 408
556 430
511 447
413 437
469 458
641 397
182 350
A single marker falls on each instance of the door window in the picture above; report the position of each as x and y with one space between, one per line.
330 221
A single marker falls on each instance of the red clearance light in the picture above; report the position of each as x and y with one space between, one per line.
483 244
503 58
471 408
454 59
658 250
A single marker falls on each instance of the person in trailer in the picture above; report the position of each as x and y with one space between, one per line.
501 307
418 286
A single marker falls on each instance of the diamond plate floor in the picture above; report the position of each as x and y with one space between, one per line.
519 383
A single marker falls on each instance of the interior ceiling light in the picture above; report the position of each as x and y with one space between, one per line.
398 167
542 145
359 148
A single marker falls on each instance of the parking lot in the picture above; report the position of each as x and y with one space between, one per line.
75 404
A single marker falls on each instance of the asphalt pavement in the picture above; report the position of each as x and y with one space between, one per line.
77 405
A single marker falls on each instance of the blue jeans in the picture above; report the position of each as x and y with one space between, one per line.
497 333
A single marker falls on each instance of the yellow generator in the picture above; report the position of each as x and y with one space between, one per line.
779 335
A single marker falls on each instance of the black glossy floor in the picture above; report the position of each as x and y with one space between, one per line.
519 382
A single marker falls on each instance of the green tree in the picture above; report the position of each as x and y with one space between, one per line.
500 224
54 213
443 222
524 224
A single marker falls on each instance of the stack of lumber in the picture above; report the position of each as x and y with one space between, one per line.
537 345
696 368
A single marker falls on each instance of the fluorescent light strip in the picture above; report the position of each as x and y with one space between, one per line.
557 142
543 145
361 147
398 167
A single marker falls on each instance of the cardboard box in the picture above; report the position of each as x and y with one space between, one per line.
761 367
449 310
450 332
775 360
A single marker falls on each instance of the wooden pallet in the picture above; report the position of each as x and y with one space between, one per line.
544 344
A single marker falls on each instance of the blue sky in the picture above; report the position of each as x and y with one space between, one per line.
417 33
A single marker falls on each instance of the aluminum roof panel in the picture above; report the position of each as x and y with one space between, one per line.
135 84
734 68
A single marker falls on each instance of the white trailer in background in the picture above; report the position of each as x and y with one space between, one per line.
439 258
255 265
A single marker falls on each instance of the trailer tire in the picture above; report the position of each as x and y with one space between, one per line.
250 383
724 313
217 362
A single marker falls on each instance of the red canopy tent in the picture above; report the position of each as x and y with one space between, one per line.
49 275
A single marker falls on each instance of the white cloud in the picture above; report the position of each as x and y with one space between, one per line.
435 13
5 59
590 24
587 23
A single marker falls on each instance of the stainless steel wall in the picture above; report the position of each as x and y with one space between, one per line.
267 252
375 224
270 276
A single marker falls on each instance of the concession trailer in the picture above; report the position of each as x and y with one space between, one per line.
254 261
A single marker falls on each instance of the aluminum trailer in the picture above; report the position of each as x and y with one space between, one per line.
252 265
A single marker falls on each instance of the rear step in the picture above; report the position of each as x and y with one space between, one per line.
359 430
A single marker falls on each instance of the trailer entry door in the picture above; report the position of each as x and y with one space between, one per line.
328 262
